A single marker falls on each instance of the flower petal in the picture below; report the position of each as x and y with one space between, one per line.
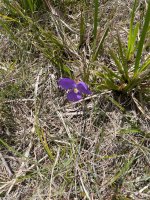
72 96
83 88
66 83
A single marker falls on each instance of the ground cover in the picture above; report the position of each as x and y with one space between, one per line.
94 148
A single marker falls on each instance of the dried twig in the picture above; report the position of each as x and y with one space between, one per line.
10 173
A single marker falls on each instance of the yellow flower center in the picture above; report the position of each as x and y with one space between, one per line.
75 90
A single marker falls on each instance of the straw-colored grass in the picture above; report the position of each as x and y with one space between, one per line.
97 148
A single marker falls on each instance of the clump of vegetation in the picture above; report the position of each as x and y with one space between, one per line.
79 147
131 68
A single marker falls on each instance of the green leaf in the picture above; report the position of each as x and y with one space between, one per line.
96 2
116 104
30 4
142 39
133 41
122 57
111 73
117 61
100 44
122 171
130 36
41 135
129 131
6 27
2 142
82 29
145 66
110 84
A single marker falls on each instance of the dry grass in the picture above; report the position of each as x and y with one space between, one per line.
52 149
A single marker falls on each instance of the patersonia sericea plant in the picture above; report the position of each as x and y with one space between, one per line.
75 88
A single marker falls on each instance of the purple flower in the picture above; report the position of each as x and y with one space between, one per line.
76 89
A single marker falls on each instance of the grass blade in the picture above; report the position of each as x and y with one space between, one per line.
110 72
117 61
145 66
142 39
95 18
82 29
43 140
100 45
122 57
122 171
117 104
30 4
130 36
